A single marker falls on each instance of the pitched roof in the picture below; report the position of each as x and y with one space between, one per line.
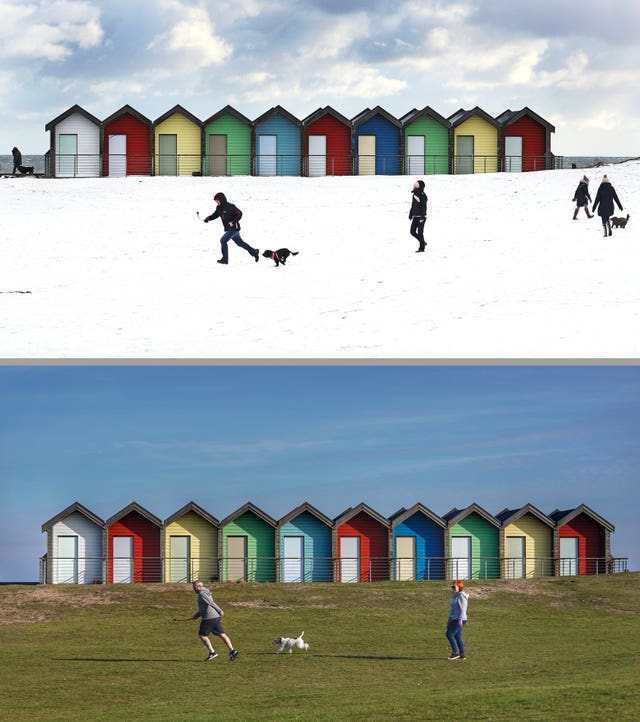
321 112
368 113
192 507
249 507
134 507
414 115
511 116
564 517
403 514
305 507
72 508
228 110
361 508
510 516
67 113
455 516
178 109
131 111
277 110
461 115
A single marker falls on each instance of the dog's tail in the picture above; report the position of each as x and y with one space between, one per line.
294 253
301 635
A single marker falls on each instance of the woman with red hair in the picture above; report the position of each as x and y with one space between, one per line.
457 620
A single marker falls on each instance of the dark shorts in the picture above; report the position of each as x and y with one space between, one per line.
209 626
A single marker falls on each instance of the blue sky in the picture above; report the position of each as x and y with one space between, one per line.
573 62
390 436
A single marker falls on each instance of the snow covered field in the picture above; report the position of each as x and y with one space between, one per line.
122 268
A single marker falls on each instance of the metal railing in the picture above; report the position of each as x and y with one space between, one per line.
126 570
283 164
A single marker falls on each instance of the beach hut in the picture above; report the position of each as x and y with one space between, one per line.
132 541
303 541
418 544
74 546
526 543
426 136
361 545
475 141
472 543
376 139
246 539
189 543
582 541
327 136
127 143
525 141
278 143
178 143
75 149
227 143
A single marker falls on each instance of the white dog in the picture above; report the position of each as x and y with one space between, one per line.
288 643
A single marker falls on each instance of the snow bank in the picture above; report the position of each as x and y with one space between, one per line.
122 268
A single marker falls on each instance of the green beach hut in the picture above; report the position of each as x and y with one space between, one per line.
247 545
426 142
227 143
472 543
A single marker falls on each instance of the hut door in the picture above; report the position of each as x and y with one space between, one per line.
415 153
218 155
267 154
513 154
237 558
293 570
317 155
117 156
568 556
515 553
67 155
366 155
168 150
67 571
405 558
350 559
464 156
122 559
460 557
179 550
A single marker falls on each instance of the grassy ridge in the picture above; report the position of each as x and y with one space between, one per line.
565 648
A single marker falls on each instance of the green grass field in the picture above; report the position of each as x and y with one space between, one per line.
548 649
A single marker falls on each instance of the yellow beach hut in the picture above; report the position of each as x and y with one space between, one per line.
475 141
526 543
178 143
190 545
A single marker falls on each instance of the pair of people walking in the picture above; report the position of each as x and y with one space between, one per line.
605 198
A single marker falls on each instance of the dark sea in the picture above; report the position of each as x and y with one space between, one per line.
566 161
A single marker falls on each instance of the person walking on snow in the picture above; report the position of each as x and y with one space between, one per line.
605 197
582 198
230 217
209 613
418 214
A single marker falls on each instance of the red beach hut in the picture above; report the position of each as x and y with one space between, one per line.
132 541
361 545
127 143
327 137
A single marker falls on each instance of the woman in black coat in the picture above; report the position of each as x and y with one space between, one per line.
418 214
582 198
605 197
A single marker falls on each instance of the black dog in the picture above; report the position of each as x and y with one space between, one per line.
280 256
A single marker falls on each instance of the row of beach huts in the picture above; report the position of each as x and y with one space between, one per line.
422 142
360 545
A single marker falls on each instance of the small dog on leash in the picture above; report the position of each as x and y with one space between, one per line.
280 256
288 643
619 222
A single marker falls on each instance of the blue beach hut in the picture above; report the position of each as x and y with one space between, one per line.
278 143
303 540
377 142
418 544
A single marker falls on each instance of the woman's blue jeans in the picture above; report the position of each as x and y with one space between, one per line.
454 635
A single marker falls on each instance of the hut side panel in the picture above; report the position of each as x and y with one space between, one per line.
535 154
188 146
238 142
374 546
429 545
138 145
203 543
85 567
146 547
260 545
436 145
388 150
317 562
338 137
538 541
591 543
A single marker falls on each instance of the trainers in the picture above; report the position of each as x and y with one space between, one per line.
212 655
233 654
257 256
453 656
223 261
462 656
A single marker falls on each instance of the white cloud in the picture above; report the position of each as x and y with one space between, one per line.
48 30
191 42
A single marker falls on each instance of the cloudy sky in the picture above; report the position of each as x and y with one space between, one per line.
555 437
575 62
